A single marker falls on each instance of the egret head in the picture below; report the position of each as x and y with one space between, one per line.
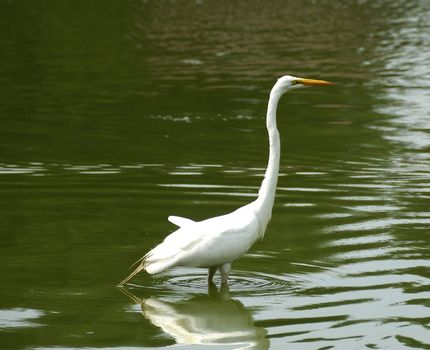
288 82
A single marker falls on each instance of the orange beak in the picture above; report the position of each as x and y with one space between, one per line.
313 82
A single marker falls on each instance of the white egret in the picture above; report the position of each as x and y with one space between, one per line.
216 242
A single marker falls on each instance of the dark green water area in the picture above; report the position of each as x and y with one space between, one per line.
116 114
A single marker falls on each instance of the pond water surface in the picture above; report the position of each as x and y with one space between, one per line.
115 115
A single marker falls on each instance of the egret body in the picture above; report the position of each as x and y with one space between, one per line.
216 242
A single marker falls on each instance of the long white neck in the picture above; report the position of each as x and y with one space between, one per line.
266 194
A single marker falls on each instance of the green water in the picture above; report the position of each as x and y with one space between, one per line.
117 114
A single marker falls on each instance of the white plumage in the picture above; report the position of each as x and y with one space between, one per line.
216 242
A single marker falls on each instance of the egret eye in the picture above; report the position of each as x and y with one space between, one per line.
294 82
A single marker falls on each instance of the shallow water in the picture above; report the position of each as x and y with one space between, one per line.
116 115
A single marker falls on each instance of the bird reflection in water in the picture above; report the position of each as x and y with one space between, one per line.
213 319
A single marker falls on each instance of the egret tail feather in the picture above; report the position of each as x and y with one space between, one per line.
137 262
129 277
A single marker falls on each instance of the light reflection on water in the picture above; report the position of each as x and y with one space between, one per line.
19 318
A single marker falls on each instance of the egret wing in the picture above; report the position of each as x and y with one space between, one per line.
174 243
223 239
179 221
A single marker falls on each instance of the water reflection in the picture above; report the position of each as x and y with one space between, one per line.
404 77
212 319
19 318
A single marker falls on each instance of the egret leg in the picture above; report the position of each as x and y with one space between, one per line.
211 273
224 271
212 289
224 292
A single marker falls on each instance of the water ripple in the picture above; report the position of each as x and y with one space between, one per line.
239 282
377 224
